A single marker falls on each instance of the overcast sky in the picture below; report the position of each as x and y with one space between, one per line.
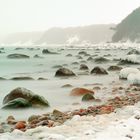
31 15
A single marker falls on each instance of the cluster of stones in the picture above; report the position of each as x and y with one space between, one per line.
57 117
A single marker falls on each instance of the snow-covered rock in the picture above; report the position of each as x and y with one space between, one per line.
126 71
134 78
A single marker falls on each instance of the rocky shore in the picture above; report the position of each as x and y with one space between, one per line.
57 118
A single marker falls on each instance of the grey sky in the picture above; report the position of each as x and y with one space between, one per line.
30 15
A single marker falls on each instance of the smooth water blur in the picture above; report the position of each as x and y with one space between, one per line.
51 89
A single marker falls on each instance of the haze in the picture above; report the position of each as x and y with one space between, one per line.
36 15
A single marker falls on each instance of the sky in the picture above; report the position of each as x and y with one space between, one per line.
36 15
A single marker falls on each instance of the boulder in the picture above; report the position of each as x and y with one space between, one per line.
41 78
17 103
101 60
67 86
134 51
99 70
114 68
18 93
46 51
88 97
37 56
1 78
64 72
90 59
37 100
69 55
74 63
82 53
17 56
22 78
83 67
21 97
81 91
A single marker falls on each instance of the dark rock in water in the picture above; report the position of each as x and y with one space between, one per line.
19 48
134 51
74 63
37 56
22 78
83 67
57 66
107 55
17 103
67 86
79 57
17 56
69 55
101 60
81 91
99 70
41 78
1 78
2 52
114 68
37 100
88 97
18 93
64 72
90 59
1 48
23 93
46 51
82 53
126 62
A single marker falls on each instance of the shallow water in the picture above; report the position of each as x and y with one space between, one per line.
51 89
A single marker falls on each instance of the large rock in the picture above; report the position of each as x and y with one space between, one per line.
114 68
46 51
37 100
134 51
18 93
101 60
83 67
99 70
88 97
81 91
13 99
17 103
22 78
64 72
17 56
